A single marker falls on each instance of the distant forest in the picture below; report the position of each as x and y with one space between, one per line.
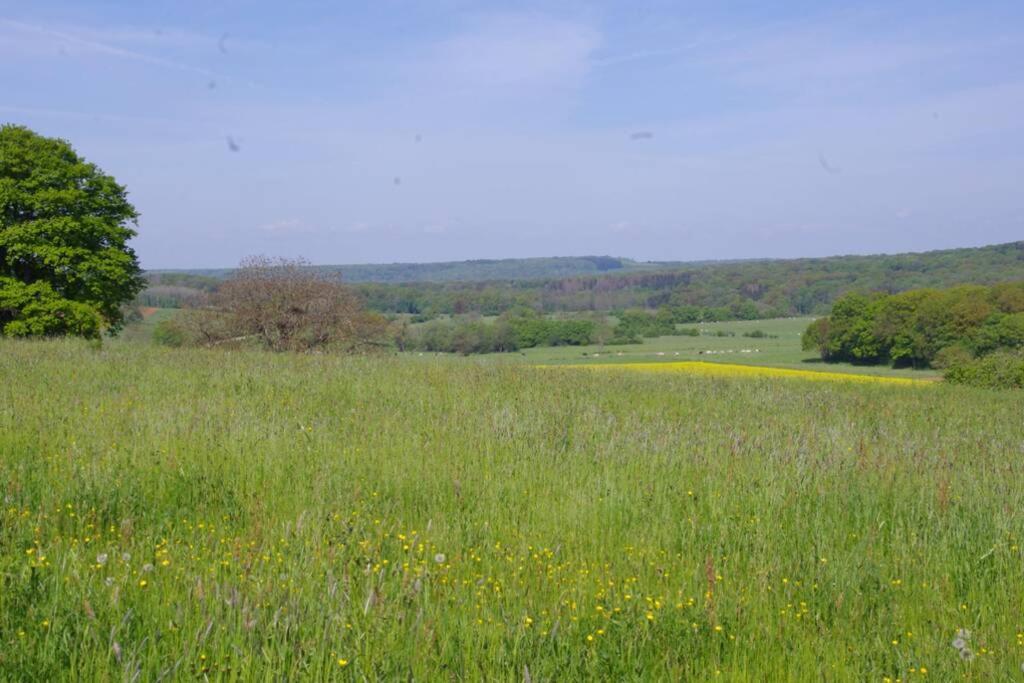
479 270
708 290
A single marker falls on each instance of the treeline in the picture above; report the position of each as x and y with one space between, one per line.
176 290
521 329
477 270
524 328
724 291
482 270
951 328
708 291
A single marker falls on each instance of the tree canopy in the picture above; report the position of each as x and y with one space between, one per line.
921 327
714 291
281 305
65 264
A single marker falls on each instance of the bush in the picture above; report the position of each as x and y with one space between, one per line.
640 323
169 333
280 305
952 356
999 370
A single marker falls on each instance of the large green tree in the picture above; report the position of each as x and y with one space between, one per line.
65 264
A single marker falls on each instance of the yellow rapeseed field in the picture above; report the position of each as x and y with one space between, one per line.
735 370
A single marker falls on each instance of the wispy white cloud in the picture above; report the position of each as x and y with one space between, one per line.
514 50
837 53
93 42
101 48
640 55
288 226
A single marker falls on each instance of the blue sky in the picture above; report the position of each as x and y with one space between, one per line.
448 129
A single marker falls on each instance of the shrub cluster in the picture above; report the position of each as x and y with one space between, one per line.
999 370
921 328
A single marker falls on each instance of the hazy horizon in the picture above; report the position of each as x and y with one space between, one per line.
454 130
724 259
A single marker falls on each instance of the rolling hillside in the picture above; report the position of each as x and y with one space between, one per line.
754 288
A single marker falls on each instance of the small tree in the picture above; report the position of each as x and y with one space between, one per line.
284 305
65 264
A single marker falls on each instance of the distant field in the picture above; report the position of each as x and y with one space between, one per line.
225 515
781 352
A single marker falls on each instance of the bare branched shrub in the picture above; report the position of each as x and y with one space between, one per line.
284 305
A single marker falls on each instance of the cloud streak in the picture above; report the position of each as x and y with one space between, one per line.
106 49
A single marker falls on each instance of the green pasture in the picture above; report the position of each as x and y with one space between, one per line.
225 515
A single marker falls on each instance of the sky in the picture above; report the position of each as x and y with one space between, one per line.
440 130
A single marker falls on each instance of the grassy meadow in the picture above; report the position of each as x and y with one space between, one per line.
190 514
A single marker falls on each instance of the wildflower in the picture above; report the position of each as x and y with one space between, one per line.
966 654
143 583
126 557
959 643
439 558
109 581
342 662
101 559
147 567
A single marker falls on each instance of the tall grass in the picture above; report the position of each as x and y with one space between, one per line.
247 516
